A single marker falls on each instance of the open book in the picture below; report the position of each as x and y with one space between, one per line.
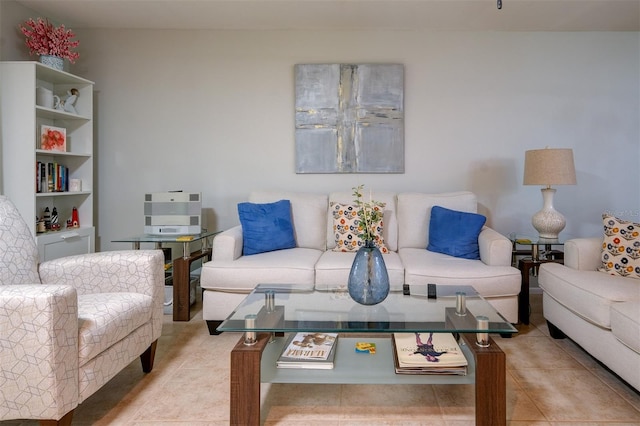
428 353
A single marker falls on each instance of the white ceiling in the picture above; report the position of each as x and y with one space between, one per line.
471 15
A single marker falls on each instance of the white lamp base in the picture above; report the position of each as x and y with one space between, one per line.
548 221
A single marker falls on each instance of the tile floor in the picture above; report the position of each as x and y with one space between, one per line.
549 382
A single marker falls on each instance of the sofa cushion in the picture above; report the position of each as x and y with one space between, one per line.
266 227
289 266
454 232
308 214
625 323
390 228
106 318
347 228
424 267
332 270
414 212
589 294
621 247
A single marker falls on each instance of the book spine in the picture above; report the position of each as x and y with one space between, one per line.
37 176
63 178
50 175
43 177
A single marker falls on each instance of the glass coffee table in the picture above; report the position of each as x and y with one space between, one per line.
270 311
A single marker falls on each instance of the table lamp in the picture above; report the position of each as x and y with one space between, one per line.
549 166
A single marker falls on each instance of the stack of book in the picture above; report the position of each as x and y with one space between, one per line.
428 353
309 350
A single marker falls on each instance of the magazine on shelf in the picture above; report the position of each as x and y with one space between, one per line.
309 350
428 353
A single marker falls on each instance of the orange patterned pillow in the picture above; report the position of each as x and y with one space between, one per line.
345 228
621 247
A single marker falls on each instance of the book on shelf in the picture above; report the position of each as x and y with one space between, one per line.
428 353
51 177
309 350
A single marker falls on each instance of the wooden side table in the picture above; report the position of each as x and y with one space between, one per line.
541 251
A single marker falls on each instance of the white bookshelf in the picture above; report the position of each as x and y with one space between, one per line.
22 119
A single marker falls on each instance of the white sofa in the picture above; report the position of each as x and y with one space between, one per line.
229 276
600 312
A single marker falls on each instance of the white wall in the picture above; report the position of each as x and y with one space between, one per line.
212 111
12 46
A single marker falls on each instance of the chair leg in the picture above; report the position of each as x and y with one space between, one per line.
64 421
148 356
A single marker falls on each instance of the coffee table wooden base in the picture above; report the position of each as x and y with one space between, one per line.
491 398
491 382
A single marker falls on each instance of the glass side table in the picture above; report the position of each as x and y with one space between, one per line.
181 265
537 251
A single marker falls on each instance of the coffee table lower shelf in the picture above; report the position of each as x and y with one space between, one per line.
251 365
354 368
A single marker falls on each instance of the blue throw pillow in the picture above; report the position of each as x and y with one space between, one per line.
455 233
266 227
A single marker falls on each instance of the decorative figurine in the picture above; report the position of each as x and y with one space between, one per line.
75 221
68 104
47 219
40 228
55 226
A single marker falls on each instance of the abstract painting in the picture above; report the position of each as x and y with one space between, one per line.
349 118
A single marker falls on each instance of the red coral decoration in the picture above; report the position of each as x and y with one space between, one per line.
45 39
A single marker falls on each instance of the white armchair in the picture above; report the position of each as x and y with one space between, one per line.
69 325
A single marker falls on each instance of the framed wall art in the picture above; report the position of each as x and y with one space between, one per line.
349 118
53 138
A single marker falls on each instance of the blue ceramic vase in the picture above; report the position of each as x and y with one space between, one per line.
368 279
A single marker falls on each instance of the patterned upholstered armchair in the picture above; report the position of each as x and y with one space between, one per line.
69 325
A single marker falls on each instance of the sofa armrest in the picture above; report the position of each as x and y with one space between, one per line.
135 271
227 245
583 253
39 356
495 248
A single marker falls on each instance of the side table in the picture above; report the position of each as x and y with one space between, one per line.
181 265
541 250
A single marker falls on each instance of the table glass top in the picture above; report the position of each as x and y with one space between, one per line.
155 238
525 240
281 308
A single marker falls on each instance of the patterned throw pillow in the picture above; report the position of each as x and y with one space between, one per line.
345 228
621 247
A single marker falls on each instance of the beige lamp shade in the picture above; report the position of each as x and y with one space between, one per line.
549 166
